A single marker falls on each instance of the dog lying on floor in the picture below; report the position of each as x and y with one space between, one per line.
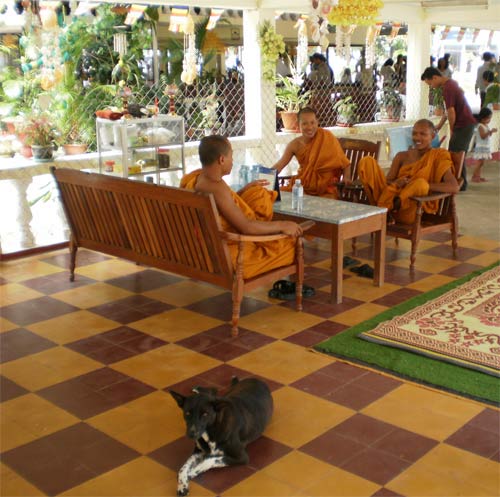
222 426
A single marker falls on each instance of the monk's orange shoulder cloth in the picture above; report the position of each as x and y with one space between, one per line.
432 166
321 163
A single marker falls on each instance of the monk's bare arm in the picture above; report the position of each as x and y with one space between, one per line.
449 184
234 216
287 156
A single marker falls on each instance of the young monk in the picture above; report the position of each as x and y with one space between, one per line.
413 173
321 158
248 212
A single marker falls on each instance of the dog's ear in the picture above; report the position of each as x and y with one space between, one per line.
211 392
178 398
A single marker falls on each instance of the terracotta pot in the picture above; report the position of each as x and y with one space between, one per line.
438 112
496 106
26 151
75 148
290 121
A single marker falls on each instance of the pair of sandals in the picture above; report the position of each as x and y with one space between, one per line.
363 270
285 290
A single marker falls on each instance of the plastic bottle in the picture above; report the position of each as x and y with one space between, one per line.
297 195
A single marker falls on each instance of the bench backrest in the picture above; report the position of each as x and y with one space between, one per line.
355 149
165 227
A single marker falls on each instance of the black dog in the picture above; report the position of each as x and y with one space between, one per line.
222 426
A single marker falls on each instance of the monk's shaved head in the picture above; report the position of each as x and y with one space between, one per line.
428 123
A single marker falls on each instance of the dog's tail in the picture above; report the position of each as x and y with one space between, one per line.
234 381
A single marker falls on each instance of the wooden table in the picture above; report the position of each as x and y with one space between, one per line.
338 221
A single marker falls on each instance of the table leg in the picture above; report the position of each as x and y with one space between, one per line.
337 257
378 277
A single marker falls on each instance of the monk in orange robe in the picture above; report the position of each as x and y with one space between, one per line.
414 172
321 158
248 212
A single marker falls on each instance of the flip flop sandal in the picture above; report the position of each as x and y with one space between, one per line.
283 290
349 261
365 271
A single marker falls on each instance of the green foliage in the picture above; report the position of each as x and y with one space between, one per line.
347 110
39 129
289 94
437 97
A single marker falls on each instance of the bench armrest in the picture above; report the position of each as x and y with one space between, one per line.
432 196
237 237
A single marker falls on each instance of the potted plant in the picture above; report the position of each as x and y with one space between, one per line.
347 111
437 101
391 105
290 98
493 96
74 137
40 133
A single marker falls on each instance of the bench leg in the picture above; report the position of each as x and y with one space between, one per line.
72 262
237 291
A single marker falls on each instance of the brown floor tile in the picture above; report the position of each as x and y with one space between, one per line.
144 281
463 253
10 390
116 345
364 429
34 310
377 382
20 342
94 393
129 309
375 465
342 371
313 305
309 337
385 492
225 351
397 297
405 445
391 254
402 275
220 306
318 383
489 420
83 258
481 442
333 448
67 458
58 282
460 270
353 396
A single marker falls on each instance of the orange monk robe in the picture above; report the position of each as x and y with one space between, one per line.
428 169
321 164
257 204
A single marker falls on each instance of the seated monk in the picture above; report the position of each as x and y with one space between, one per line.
413 172
248 212
321 158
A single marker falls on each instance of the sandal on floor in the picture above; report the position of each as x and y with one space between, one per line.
285 290
365 271
349 261
476 180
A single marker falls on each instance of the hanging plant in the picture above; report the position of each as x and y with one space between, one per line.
359 12
271 46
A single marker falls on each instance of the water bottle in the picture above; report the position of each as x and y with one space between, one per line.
297 195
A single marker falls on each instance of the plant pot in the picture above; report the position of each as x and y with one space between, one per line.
438 111
42 153
26 151
290 121
496 106
75 148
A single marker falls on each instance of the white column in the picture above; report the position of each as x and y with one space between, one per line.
419 50
260 101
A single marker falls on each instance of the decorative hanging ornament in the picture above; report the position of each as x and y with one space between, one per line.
302 58
188 74
358 12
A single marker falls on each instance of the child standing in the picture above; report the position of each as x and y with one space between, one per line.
482 149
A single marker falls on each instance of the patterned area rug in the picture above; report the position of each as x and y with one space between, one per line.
461 326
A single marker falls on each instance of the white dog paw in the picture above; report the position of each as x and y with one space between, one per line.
182 490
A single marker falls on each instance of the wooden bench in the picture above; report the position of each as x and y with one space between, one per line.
168 228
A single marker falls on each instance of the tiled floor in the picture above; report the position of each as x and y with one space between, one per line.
86 369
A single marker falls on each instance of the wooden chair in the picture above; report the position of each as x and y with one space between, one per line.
354 150
444 219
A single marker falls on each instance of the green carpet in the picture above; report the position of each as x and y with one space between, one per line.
439 374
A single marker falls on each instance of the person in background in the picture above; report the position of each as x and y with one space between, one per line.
482 149
413 172
458 113
321 72
444 67
346 77
400 70
321 158
388 74
249 211
488 61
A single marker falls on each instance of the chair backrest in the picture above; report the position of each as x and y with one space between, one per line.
356 149
165 227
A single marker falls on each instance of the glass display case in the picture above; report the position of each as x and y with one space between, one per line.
142 148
